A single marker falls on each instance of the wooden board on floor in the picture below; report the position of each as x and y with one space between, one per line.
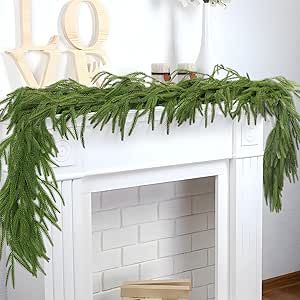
156 289
185 282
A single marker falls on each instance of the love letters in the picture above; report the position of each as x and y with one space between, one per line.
79 52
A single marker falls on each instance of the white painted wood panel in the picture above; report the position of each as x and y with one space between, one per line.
246 200
222 236
68 247
58 254
82 241
49 295
146 149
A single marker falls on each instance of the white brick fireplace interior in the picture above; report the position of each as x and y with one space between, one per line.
155 232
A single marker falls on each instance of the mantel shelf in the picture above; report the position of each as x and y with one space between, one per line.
104 151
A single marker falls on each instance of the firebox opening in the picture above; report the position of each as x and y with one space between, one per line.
161 231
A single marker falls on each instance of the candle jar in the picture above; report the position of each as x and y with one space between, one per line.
186 71
161 72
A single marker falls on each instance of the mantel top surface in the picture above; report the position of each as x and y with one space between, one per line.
146 149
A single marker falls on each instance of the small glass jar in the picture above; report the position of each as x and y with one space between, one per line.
186 71
161 72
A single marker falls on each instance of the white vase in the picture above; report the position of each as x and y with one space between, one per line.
171 53
203 62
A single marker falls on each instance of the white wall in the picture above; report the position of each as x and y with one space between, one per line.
260 37
2 281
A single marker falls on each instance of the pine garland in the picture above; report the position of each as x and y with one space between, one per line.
27 196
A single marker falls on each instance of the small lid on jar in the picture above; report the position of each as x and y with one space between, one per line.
160 68
186 67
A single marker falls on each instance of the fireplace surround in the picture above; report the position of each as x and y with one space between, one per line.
229 151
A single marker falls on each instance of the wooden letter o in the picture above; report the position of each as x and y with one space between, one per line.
70 24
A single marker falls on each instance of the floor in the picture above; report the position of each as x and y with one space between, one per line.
287 293
283 288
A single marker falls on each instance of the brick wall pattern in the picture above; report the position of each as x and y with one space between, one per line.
155 232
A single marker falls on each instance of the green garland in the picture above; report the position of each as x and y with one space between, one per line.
27 197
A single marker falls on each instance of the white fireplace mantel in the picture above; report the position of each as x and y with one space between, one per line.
228 150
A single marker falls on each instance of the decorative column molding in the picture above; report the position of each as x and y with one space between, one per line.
82 241
69 275
222 236
246 200
247 139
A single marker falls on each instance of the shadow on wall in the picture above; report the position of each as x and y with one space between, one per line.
2 280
